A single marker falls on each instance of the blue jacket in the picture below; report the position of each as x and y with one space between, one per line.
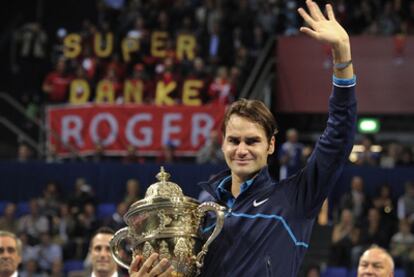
267 229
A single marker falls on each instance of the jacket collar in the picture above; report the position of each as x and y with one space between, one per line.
263 179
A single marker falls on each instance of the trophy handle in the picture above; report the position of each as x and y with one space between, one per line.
118 237
219 210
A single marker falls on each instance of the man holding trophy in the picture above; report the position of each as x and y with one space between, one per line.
267 224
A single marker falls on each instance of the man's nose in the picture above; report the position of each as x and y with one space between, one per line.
242 148
105 253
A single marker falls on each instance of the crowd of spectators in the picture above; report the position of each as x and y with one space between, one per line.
383 219
55 227
214 41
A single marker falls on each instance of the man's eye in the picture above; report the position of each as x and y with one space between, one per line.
251 141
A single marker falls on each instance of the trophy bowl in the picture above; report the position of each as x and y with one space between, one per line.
168 223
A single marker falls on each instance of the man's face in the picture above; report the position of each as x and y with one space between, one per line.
376 263
357 184
102 261
9 256
245 147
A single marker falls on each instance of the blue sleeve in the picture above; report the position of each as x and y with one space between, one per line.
307 190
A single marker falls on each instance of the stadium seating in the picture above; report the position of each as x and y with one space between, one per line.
73 265
105 210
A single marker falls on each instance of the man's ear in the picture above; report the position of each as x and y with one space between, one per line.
272 145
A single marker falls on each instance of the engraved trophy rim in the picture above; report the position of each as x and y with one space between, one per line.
157 202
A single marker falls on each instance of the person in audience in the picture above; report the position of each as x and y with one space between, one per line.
376 261
24 152
48 253
344 238
87 221
33 223
390 158
168 155
82 194
8 221
112 78
216 45
376 231
116 221
133 156
57 269
290 156
405 204
402 247
406 157
211 151
10 254
313 271
99 154
384 203
62 227
86 224
372 232
367 156
56 83
29 250
103 265
50 200
221 90
132 191
31 269
356 199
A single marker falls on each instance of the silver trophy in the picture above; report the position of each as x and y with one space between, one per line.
168 223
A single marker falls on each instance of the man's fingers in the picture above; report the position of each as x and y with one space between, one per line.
135 264
168 272
145 268
160 268
309 32
329 12
314 10
306 17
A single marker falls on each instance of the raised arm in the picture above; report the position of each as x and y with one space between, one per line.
324 167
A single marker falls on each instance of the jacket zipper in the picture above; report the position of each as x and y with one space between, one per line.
268 262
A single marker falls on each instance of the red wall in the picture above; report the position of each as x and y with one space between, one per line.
383 86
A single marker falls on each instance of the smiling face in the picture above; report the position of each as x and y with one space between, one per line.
102 262
245 147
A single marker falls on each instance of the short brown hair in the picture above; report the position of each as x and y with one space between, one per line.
255 111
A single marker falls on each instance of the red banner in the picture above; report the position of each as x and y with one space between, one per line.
115 127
